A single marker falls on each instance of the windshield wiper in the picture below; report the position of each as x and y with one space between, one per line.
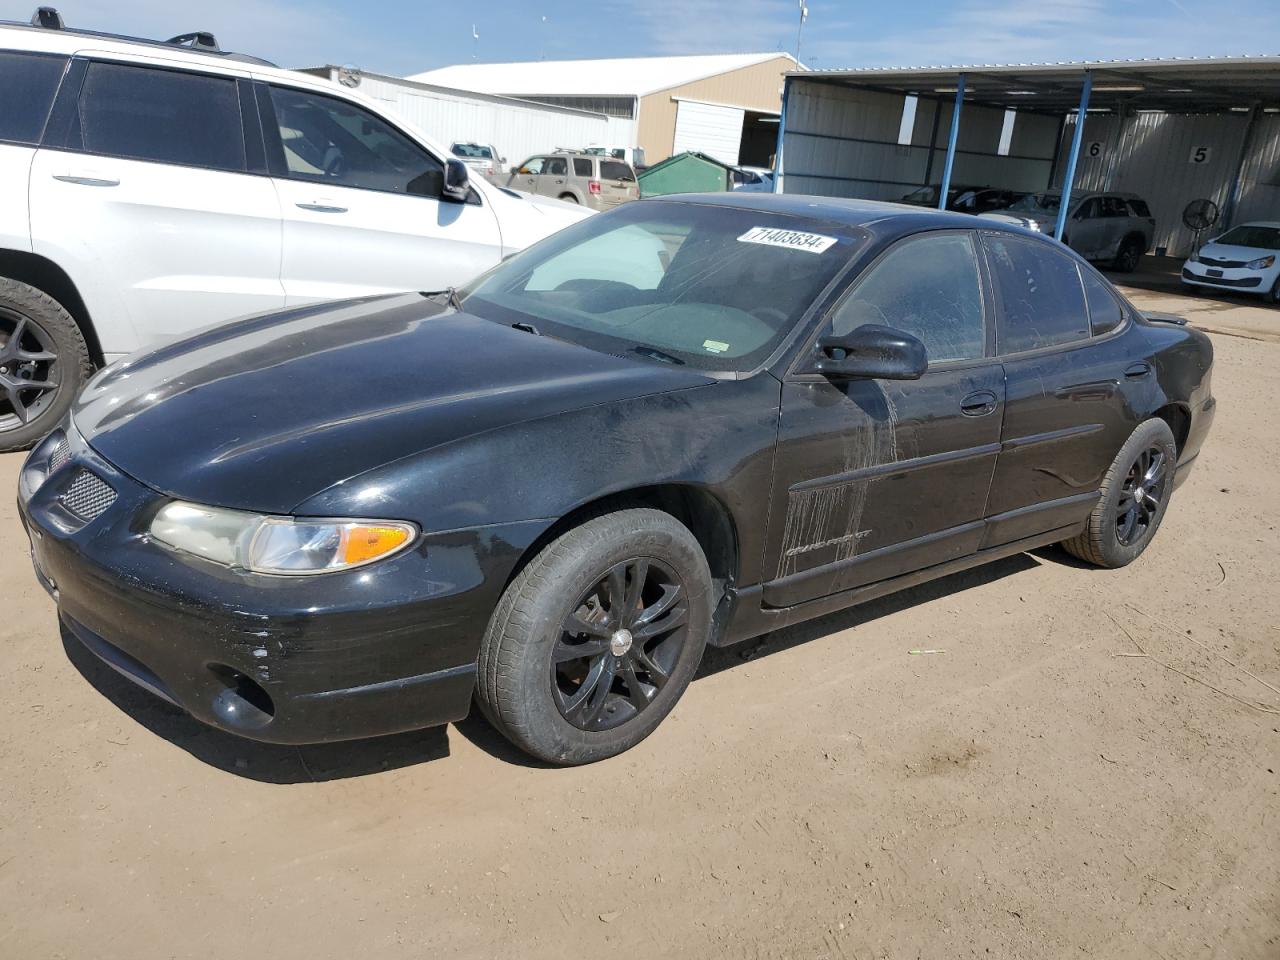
450 293
653 353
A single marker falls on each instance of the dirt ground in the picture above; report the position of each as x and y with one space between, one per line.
1036 790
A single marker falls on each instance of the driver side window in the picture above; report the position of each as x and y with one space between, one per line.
328 140
928 287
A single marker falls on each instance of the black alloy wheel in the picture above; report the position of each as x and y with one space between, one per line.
597 637
620 645
1133 499
29 370
1141 495
1129 255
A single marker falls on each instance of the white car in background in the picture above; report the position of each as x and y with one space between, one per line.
1245 259
752 179
483 158
148 189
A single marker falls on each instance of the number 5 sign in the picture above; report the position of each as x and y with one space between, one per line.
1200 154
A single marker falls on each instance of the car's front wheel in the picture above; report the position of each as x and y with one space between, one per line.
1135 496
595 640
43 364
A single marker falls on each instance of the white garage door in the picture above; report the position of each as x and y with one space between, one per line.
709 128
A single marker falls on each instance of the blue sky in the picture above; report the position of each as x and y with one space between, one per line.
400 37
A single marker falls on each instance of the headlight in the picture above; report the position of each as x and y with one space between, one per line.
278 545
1262 263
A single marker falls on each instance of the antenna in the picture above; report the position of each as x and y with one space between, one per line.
804 15
475 45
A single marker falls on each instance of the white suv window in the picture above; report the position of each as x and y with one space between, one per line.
332 141
28 82
166 116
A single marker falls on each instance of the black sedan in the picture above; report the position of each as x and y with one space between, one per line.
688 421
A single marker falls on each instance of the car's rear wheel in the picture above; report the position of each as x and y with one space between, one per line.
598 636
568 198
1129 255
1135 496
43 363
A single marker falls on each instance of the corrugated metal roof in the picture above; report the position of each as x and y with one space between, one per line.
619 77
1181 84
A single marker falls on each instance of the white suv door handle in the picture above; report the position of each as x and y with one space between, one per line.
87 180
322 206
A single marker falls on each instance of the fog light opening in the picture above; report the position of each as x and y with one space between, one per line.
241 702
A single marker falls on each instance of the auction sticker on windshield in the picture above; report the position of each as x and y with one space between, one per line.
791 239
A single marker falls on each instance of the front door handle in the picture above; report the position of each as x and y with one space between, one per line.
322 207
979 403
86 180
1136 371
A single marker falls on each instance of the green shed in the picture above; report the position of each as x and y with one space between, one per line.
685 173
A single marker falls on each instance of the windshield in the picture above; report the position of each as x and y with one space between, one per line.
710 286
1037 203
1251 235
472 150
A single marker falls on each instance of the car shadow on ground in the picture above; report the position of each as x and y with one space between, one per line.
274 763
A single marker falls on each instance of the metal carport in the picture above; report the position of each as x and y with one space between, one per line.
1171 130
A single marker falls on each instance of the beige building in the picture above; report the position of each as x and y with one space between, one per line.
724 105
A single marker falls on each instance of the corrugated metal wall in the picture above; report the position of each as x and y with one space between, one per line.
517 130
842 142
1260 174
1169 160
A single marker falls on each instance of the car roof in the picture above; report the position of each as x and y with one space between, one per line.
1273 224
852 213
30 36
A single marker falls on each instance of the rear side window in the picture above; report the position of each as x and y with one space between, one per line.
28 82
581 167
1139 208
927 287
1114 207
1041 299
1104 309
612 170
161 115
556 167
329 140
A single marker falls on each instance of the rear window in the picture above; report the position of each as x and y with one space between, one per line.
612 170
161 115
28 82
581 167
1140 208
472 151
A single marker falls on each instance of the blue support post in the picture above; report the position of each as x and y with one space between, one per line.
1069 177
782 125
951 145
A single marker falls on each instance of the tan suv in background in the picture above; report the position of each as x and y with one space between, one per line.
600 183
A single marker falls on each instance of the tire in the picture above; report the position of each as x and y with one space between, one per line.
1129 255
49 349
568 198
559 710
1274 295
1121 525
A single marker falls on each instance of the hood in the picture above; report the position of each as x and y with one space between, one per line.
264 413
1228 251
525 219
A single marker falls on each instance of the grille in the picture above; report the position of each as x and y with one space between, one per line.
1228 264
60 455
87 496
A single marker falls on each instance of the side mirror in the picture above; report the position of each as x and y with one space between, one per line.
457 186
870 351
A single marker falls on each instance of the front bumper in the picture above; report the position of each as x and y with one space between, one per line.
1227 278
375 650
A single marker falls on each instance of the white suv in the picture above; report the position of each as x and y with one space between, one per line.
148 189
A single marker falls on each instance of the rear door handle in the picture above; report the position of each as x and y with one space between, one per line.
1136 371
979 403
86 180
322 206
